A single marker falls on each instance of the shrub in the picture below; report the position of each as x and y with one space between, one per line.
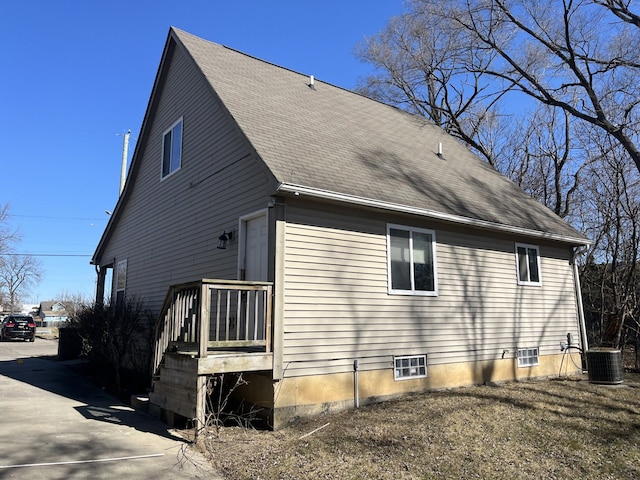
117 340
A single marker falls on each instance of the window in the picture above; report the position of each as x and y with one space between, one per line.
121 281
528 357
414 366
528 264
172 149
411 256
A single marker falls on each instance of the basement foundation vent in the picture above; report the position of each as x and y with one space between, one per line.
605 365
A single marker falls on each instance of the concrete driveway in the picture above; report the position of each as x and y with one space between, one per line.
55 424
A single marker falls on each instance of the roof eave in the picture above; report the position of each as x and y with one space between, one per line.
106 234
446 217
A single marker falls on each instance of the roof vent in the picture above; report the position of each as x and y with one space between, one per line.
311 83
440 149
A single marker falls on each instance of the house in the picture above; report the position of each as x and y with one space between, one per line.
333 249
51 313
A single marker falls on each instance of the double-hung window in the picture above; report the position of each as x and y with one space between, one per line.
528 264
172 149
411 256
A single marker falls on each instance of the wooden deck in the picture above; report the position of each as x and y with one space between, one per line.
208 327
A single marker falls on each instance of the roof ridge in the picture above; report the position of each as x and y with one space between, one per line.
179 32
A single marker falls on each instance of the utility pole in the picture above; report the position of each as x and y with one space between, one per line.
125 153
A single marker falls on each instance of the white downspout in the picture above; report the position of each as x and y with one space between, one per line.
576 281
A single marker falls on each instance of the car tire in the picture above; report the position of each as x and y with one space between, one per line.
32 339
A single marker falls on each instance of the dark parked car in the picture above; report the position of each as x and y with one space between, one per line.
18 326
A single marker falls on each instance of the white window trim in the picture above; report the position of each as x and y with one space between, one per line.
527 246
121 270
398 377
164 134
425 293
537 357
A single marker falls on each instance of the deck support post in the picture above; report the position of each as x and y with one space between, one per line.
201 404
203 345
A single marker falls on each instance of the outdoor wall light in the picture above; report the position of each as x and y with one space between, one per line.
223 239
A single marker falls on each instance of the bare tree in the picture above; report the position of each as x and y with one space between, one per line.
546 92
420 62
545 159
427 63
581 56
611 216
7 235
18 273
621 9
73 302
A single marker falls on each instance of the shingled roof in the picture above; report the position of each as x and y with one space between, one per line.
329 142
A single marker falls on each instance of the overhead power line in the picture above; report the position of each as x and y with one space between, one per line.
49 254
51 217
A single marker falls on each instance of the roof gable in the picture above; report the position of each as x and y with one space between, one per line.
52 308
332 143
328 139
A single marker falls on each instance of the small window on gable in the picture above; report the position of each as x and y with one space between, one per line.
528 357
411 258
528 264
172 149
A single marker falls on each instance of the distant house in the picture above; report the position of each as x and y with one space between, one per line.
51 313
333 249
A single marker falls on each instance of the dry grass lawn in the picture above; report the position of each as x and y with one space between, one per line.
552 429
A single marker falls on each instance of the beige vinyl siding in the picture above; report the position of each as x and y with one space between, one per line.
168 229
337 308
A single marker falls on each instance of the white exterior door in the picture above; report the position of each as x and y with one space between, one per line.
255 258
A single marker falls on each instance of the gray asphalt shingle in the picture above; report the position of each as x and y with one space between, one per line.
334 140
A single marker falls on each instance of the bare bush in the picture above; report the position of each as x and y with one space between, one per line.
223 409
117 338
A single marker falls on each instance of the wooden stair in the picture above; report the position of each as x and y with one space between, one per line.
208 327
174 387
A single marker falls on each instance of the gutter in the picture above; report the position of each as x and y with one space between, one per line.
447 217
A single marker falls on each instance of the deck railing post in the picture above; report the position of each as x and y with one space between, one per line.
204 320
268 319
203 345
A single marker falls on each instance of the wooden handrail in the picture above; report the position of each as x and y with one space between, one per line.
240 312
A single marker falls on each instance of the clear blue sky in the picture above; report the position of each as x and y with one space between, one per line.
77 74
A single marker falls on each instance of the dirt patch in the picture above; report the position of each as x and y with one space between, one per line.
527 430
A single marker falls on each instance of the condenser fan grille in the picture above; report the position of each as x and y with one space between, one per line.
605 365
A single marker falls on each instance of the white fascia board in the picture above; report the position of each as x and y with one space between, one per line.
446 217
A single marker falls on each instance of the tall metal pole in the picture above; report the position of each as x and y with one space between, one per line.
125 153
